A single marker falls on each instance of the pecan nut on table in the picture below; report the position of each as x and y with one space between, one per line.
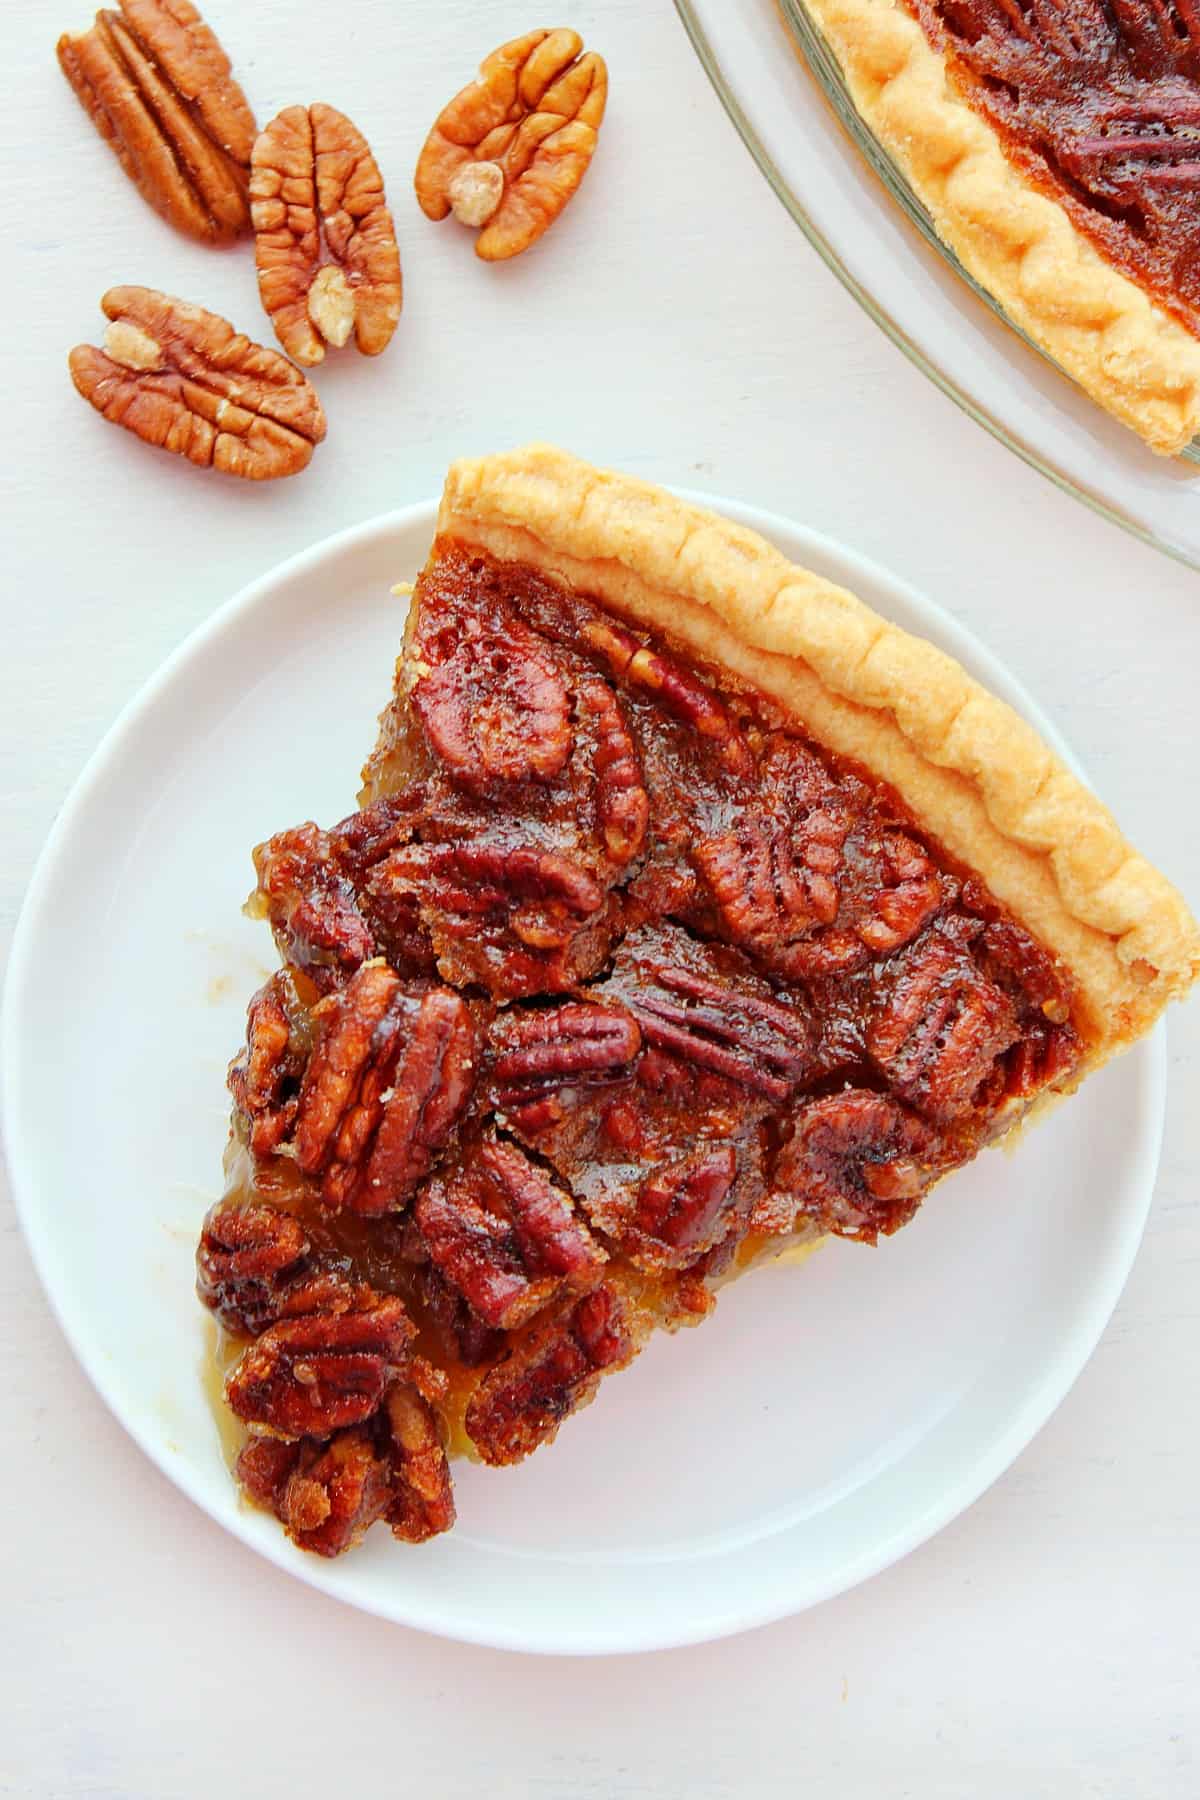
613 985
182 379
324 242
159 88
509 151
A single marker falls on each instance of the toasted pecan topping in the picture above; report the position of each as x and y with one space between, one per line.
492 703
554 1371
422 1493
389 1075
312 1375
940 1026
857 1164
327 1492
503 1235
576 1041
723 1019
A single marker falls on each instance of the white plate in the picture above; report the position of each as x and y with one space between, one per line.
914 292
825 1421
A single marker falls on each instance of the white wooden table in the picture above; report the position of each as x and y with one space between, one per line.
676 323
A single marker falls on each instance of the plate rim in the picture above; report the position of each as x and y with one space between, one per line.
878 312
971 1481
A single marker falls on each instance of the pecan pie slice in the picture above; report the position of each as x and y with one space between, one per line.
691 912
1054 144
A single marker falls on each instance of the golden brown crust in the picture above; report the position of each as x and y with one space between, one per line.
976 776
1140 364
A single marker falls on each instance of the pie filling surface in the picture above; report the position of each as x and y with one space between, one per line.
1097 102
614 985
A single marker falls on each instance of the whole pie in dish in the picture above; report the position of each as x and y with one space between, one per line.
1054 144
691 912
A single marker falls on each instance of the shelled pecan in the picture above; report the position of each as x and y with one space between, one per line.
513 917
535 1053
328 1492
264 1078
551 1373
509 151
422 1494
941 1024
503 1235
711 1011
857 1164
324 242
312 1375
389 1075
492 703
255 1267
621 803
245 1257
311 906
159 88
679 691
184 380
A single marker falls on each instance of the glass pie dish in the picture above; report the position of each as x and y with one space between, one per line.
783 88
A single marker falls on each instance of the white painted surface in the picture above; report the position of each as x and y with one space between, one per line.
675 322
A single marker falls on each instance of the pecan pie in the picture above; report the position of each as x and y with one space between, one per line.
691 912
1055 145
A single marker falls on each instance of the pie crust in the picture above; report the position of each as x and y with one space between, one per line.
975 776
1126 352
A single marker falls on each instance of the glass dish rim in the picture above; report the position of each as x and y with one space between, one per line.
877 159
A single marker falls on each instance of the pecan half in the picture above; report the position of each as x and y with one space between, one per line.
551 1373
493 704
681 1205
910 892
254 1267
334 1492
940 1026
263 1467
512 147
472 1341
184 380
621 803
317 891
422 1496
814 887
716 1015
536 1053
159 88
245 1256
857 1164
388 1078
515 918
328 1493
503 1235
772 882
324 242
309 1376
264 1078
311 905
677 690
684 1207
